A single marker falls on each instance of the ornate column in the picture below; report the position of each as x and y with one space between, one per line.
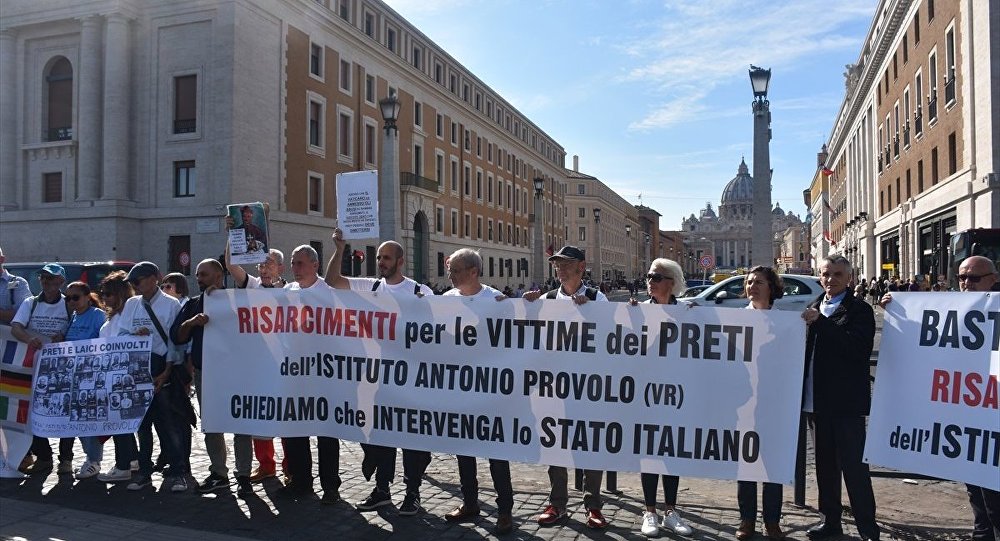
88 129
8 119
116 108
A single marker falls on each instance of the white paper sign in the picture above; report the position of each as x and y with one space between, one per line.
248 241
934 408
357 204
701 392
237 241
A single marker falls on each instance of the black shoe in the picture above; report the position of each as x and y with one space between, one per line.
159 466
212 483
868 535
374 500
824 530
410 505
243 486
330 497
368 467
297 492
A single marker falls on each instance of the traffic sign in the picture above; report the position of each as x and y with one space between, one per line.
706 261
184 259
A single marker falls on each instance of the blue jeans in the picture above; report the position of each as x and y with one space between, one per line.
93 447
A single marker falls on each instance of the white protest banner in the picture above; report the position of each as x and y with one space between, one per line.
357 204
934 408
16 365
703 392
91 387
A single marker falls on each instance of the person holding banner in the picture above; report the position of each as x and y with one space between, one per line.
977 274
763 286
88 317
15 290
571 263
837 398
380 460
664 281
465 267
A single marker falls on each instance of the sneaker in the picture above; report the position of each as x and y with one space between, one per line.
259 475
88 470
243 486
330 497
65 467
410 505
212 483
179 484
141 481
374 500
650 524
114 475
596 520
551 515
133 466
672 521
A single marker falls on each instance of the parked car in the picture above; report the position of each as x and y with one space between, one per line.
799 291
91 272
694 291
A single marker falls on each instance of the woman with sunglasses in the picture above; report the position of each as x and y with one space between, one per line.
762 286
664 281
85 324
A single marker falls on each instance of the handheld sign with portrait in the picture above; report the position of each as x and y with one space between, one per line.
248 236
357 204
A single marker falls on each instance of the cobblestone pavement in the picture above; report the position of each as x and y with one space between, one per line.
58 507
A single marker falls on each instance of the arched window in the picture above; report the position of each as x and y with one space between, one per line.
59 100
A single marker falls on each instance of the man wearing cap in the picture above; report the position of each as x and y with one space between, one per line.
13 291
570 263
151 313
42 320
380 460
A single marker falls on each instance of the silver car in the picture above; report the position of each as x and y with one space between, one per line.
800 290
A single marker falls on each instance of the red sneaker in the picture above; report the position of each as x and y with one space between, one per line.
596 520
551 515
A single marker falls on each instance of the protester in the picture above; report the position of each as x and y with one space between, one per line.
837 398
175 284
977 274
763 287
14 290
664 281
465 268
115 290
42 320
148 314
380 460
570 264
88 317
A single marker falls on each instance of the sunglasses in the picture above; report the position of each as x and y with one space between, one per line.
973 278
656 277
73 298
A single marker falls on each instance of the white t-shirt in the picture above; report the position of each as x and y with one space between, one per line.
485 292
560 294
110 327
134 317
294 286
403 288
47 319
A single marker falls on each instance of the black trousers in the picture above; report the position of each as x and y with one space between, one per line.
414 465
384 459
300 462
985 513
670 484
746 495
499 470
840 446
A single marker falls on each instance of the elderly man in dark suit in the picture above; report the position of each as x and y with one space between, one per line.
837 397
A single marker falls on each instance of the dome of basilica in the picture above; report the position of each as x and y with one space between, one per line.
740 188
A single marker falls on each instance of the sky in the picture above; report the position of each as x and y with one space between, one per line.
654 96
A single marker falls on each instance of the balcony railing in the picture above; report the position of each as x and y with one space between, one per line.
411 179
60 134
949 90
918 122
185 126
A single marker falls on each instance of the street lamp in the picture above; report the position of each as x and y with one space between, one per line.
539 267
597 244
389 175
649 260
628 250
761 248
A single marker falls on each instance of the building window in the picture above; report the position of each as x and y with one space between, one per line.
59 101
454 223
952 154
185 104
418 160
467 181
932 75
345 76
316 120
417 59
479 185
439 219
916 28
369 25
930 10
454 176
316 60
479 227
581 189
390 39
344 148
581 212
369 144
439 126
466 224
949 66
418 114
489 230
934 166
315 194
438 73
344 10
370 89
454 133
439 169
52 188
184 178
582 233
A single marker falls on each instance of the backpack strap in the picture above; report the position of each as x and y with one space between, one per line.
416 287
591 293
156 322
376 284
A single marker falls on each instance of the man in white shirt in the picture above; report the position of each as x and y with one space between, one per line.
13 291
380 460
465 267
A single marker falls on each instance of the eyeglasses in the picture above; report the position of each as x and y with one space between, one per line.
973 278
656 277
73 298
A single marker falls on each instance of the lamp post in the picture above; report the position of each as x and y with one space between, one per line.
760 244
628 251
539 267
597 245
388 205
649 259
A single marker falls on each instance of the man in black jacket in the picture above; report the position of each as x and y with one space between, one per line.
837 398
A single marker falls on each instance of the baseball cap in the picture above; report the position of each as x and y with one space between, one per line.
54 269
569 252
141 270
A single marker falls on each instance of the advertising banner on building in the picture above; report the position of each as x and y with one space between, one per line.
934 408
698 391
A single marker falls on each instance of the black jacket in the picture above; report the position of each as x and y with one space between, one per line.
841 346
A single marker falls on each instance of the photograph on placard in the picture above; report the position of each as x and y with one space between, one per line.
248 233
